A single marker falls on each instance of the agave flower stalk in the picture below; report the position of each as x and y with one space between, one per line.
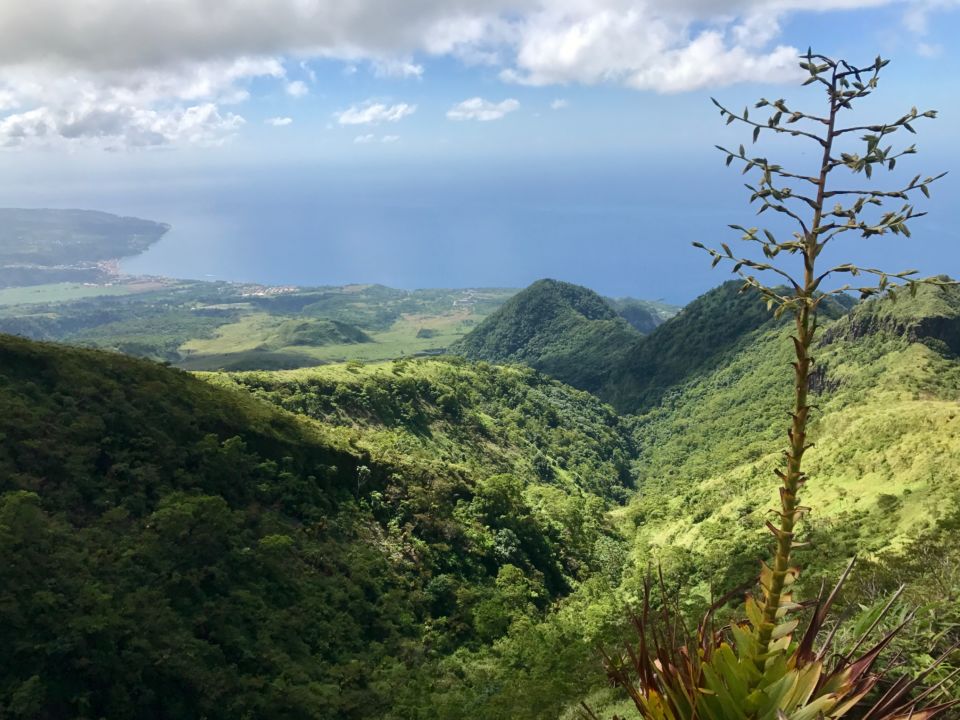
821 214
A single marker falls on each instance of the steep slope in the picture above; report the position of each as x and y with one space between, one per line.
930 317
425 411
574 335
177 548
561 329
886 448
559 453
692 342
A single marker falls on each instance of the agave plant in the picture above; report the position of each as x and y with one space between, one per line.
727 674
764 667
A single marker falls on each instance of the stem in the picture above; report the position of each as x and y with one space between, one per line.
806 322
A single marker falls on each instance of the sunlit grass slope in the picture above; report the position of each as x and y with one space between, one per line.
887 446
481 417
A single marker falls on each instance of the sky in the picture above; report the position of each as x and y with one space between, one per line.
524 103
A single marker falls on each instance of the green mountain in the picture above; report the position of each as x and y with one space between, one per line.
576 336
569 332
885 446
181 548
443 538
690 343
564 330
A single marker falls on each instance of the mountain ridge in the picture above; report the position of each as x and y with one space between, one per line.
437 537
562 329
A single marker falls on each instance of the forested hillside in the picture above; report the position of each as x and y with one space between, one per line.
561 329
568 331
444 538
183 549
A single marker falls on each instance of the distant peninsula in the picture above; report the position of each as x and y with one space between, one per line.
40 246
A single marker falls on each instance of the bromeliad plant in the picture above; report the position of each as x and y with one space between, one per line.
727 675
763 667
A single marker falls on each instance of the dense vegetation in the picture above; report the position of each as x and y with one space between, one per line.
183 549
432 538
644 315
564 330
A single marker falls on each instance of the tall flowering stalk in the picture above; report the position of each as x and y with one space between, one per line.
821 212
766 667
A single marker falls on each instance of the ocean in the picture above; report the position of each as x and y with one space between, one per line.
620 228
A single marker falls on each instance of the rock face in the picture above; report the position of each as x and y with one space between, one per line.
931 317
821 381
940 332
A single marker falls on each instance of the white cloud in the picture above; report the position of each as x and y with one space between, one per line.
372 113
198 124
369 138
64 58
310 72
297 88
917 21
397 69
483 110
279 121
120 34
133 109
641 47
918 13
559 104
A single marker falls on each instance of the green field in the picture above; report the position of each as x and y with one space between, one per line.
215 326
65 292
253 332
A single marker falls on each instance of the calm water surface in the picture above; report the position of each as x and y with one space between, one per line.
620 230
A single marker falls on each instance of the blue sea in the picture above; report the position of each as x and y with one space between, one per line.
620 228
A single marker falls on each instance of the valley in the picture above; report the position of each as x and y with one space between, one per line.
479 360
434 503
414 535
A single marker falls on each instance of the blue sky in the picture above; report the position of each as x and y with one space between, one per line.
522 102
